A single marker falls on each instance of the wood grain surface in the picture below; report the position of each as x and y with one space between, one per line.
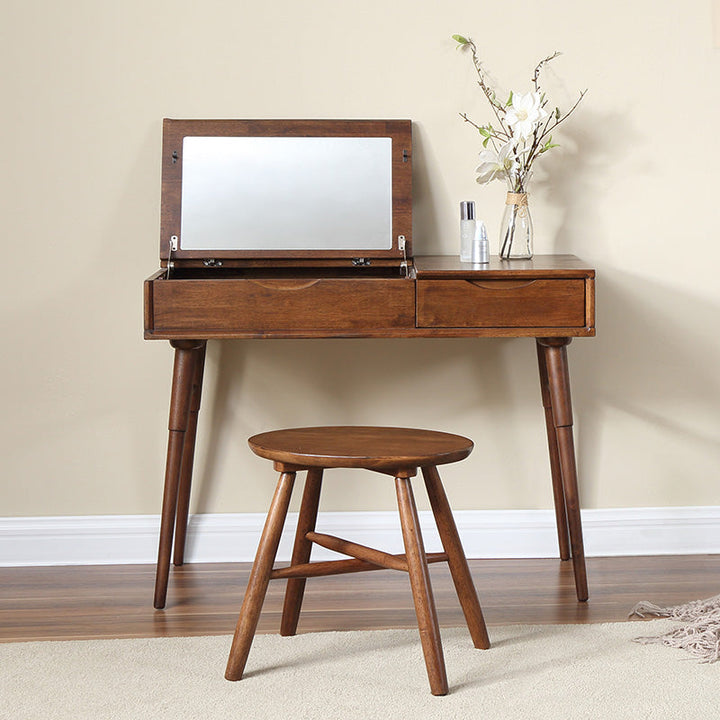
81 602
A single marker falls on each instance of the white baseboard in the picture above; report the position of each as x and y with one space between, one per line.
118 539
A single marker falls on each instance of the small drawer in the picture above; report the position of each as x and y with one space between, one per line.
463 303
277 307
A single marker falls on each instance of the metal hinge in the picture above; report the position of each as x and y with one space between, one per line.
173 248
402 245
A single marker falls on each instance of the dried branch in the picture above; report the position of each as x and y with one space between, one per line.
485 87
538 68
468 120
565 116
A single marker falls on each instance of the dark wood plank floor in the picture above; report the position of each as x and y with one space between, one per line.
60 603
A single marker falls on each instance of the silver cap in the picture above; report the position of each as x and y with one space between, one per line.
467 210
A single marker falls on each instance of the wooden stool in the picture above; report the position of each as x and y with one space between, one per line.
398 452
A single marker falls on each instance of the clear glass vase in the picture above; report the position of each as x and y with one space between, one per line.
516 228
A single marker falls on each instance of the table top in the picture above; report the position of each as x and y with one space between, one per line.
448 266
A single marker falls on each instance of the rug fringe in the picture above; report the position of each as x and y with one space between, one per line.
695 610
700 636
645 608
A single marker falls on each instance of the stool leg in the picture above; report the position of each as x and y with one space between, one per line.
301 551
456 558
259 578
421 588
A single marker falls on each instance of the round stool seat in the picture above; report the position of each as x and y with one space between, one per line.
373 448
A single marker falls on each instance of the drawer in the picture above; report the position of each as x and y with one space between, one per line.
265 307
464 303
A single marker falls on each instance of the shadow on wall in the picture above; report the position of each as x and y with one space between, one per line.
653 366
646 389
578 175
418 382
427 196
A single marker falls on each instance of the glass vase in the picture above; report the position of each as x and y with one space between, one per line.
516 228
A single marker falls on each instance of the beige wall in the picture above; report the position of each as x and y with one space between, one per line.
633 190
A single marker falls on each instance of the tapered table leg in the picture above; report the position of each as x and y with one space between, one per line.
558 377
558 492
183 373
188 456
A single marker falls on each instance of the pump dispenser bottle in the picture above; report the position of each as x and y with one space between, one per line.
480 247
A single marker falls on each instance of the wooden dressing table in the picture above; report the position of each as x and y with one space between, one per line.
385 294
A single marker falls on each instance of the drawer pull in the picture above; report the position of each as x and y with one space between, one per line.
502 284
286 284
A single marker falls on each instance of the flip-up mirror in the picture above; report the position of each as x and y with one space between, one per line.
286 189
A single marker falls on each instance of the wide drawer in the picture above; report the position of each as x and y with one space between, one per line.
262 307
535 303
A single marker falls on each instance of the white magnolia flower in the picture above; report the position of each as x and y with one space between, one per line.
524 114
496 166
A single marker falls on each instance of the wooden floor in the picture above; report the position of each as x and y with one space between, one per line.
62 603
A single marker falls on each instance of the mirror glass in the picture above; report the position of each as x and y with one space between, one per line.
286 193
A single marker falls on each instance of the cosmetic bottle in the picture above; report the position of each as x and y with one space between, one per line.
480 246
467 230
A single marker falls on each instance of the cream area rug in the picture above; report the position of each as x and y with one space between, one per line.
538 672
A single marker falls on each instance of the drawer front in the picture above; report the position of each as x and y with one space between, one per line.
273 306
541 303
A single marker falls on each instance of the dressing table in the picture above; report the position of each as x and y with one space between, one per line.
326 275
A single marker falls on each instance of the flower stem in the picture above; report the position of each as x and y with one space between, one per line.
509 234
538 67
496 106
